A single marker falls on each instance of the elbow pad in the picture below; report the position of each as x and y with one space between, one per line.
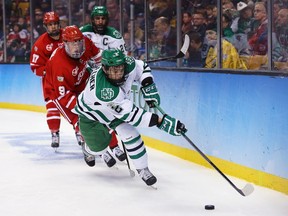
147 81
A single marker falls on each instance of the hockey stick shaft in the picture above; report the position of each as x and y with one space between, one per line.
163 59
247 190
213 165
132 173
181 53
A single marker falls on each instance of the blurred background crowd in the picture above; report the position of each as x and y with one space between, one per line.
253 34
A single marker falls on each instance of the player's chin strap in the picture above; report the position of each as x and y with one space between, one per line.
248 188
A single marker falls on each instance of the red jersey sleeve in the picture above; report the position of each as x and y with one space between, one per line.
41 52
38 58
92 51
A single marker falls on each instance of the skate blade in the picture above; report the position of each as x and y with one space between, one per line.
154 187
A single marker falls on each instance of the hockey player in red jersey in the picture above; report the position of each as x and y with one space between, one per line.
40 53
67 74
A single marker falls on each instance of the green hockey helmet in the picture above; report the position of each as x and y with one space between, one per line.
113 64
112 57
99 11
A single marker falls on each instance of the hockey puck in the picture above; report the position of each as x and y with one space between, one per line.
209 207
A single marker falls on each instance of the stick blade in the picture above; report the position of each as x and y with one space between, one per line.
185 46
132 173
247 190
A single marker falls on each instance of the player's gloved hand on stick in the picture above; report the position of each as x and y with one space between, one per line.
151 94
172 126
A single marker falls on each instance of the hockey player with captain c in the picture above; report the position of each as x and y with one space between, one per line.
99 31
106 101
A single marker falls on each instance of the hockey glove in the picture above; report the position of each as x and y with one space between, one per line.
172 126
151 95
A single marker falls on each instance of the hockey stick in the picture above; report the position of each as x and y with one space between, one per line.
181 53
132 173
248 188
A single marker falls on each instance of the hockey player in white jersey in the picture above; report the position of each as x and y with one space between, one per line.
106 99
103 36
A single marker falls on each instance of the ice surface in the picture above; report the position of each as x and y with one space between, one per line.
34 180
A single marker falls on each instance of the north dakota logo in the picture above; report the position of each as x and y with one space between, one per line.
107 93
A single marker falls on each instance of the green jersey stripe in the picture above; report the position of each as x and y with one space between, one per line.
138 155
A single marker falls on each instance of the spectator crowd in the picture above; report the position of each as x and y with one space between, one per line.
244 29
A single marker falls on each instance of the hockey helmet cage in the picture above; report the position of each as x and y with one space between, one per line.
113 64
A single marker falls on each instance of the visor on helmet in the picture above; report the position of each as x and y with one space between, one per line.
75 49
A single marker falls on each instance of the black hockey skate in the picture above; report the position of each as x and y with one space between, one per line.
147 176
55 139
88 158
79 138
108 159
119 154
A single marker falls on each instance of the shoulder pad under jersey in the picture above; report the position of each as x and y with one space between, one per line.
112 32
130 64
86 28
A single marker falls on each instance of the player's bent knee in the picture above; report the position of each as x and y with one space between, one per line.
126 132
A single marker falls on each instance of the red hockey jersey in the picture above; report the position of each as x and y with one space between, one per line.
66 76
41 52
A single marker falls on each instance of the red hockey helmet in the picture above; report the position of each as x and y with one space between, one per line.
72 33
50 17
73 41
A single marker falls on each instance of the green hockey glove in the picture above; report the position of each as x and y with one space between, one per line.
151 94
172 126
